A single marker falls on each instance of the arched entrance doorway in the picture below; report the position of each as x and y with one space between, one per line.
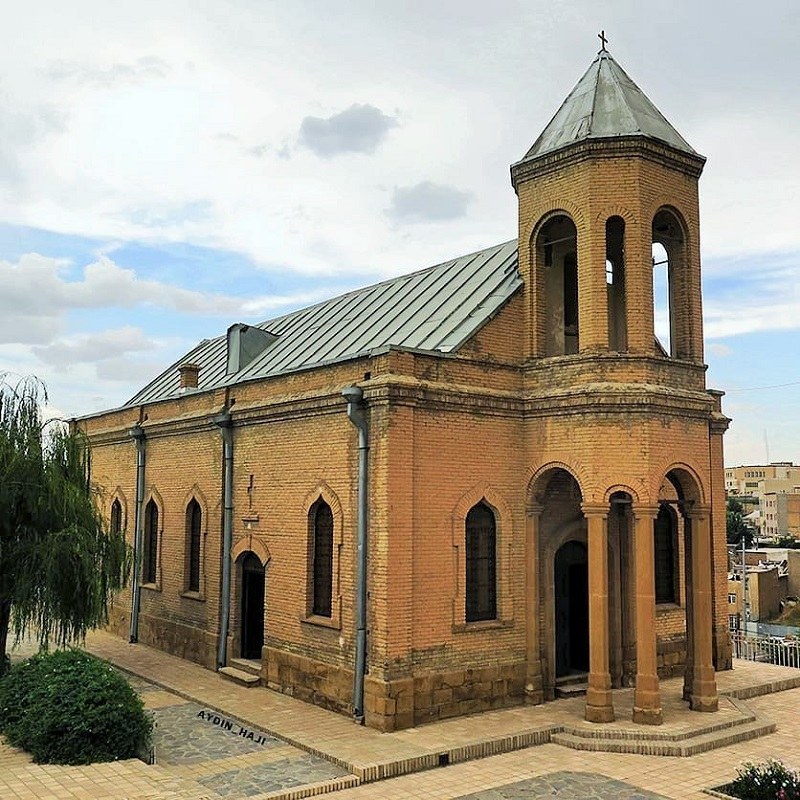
252 595
572 609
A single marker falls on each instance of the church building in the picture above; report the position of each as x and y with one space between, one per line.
460 489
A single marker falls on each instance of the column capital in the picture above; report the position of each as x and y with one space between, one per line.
595 509
642 511
696 511
534 509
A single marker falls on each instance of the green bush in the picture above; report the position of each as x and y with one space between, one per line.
68 707
768 781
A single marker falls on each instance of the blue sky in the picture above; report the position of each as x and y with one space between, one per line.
167 169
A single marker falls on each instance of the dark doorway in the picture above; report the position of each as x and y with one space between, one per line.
572 610
252 607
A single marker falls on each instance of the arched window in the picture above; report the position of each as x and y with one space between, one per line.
150 544
481 558
194 524
321 540
664 549
615 284
116 518
670 295
556 249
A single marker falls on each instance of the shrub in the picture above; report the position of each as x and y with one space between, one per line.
768 781
68 707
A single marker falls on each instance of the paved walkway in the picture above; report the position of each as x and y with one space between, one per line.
548 770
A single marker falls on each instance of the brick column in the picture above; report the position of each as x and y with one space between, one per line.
639 308
647 694
592 291
533 675
599 704
704 686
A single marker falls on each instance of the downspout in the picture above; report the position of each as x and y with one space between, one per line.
137 434
355 413
225 424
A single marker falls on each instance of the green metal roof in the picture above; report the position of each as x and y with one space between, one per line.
605 103
436 309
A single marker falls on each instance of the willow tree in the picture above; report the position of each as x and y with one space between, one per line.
60 565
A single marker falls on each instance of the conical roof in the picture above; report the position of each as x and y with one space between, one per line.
606 103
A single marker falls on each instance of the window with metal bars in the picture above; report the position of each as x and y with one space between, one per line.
664 550
321 524
481 562
150 544
194 522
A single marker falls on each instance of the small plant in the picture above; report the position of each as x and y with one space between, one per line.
770 780
68 707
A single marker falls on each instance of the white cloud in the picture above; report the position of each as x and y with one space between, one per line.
143 68
427 202
720 350
36 296
93 347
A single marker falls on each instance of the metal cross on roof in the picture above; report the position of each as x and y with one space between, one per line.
602 37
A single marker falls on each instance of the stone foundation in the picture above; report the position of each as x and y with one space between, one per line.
325 685
175 638
671 657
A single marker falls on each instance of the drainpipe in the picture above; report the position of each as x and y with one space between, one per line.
355 413
137 434
225 424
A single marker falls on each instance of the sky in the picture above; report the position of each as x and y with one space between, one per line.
168 168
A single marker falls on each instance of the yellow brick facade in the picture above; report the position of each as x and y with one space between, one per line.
585 448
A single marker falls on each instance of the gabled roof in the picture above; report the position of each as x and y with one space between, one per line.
606 103
436 309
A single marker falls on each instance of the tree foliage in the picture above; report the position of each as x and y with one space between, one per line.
59 564
736 527
68 707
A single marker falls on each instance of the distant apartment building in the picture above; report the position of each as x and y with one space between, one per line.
779 476
774 490
780 515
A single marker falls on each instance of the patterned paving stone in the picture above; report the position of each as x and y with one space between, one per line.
282 774
566 786
191 734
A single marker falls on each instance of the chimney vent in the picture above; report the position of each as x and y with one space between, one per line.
189 374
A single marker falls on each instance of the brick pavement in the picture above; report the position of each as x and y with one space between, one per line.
343 742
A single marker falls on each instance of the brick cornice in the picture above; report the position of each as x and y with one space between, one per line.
612 147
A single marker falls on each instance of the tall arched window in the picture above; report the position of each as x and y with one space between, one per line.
556 248
116 517
150 544
670 290
321 536
665 529
615 284
481 562
194 524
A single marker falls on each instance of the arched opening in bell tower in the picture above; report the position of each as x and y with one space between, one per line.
615 284
670 301
557 259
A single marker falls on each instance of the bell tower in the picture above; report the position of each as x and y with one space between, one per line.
607 179
624 439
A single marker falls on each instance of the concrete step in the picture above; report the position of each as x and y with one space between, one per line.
568 690
654 746
575 677
239 676
250 665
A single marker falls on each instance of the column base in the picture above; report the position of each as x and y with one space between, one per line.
599 713
533 696
647 716
599 705
704 696
698 702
